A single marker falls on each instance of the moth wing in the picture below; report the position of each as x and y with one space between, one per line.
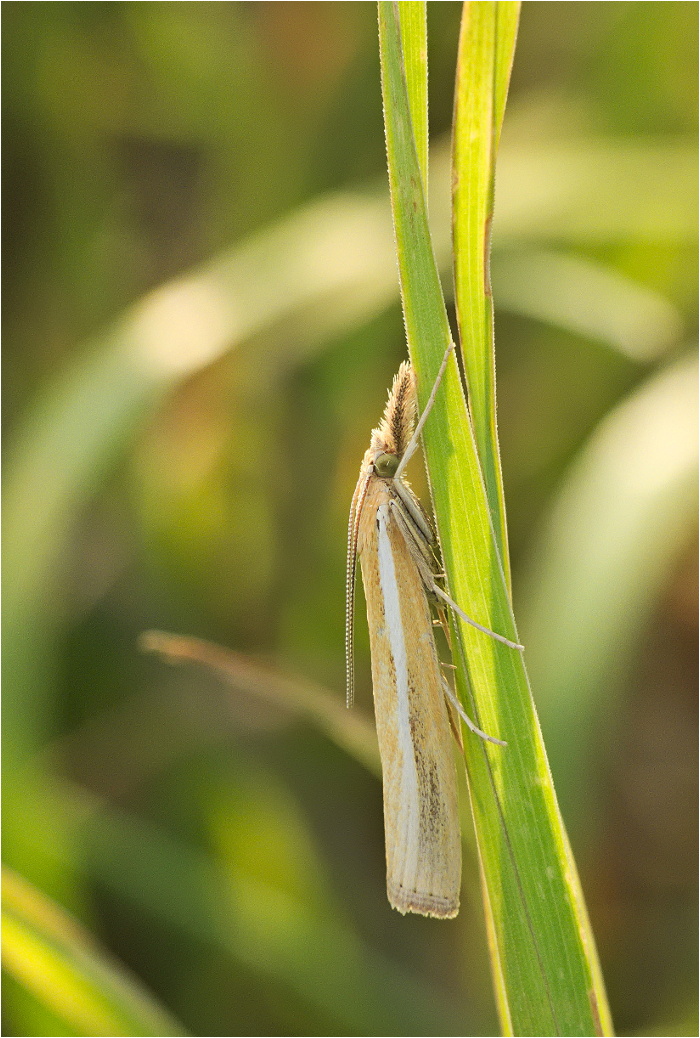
421 817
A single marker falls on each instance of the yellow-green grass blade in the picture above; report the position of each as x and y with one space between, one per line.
547 976
486 47
413 16
51 955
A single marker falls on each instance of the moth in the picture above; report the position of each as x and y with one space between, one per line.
414 704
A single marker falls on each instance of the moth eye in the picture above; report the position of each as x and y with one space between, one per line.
385 465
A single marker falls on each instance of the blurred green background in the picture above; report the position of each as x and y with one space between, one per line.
201 322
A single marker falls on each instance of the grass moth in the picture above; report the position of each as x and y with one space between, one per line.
414 704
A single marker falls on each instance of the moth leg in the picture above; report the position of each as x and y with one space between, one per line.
436 590
420 553
441 621
414 509
418 550
453 706
452 698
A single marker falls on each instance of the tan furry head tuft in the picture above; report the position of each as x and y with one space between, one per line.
396 427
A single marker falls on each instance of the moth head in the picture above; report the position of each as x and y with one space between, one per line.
386 464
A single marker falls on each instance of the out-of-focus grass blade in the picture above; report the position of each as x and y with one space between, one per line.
486 47
586 298
265 903
596 190
350 729
547 976
52 956
627 508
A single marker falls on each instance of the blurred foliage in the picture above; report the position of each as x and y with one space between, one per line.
48 952
229 854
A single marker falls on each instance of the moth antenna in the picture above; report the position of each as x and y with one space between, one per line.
358 499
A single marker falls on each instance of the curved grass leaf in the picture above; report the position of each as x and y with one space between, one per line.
53 957
624 513
594 190
546 972
588 299
308 264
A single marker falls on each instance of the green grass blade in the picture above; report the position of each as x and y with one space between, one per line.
413 17
547 977
52 956
486 47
